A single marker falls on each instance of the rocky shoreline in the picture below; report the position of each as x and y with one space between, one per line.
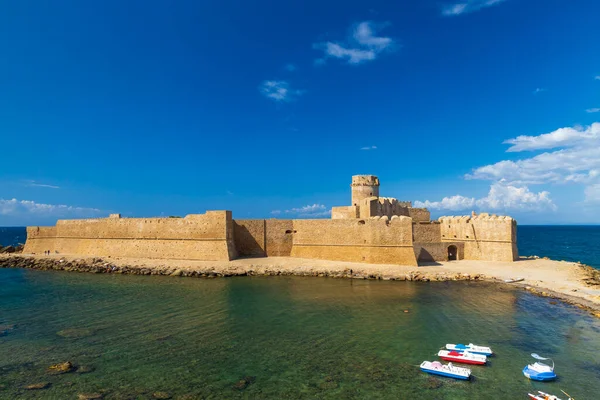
587 277
101 266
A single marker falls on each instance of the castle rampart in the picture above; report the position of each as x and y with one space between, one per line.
378 240
485 237
376 230
263 237
196 237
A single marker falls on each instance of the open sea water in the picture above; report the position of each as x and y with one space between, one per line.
145 337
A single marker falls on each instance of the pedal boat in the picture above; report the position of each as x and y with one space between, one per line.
471 348
463 357
449 370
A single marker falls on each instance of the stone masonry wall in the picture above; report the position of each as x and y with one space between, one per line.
430 232
419 214
197 237
485 237
344 212
261 238
280 234
249 237
377 240
430 252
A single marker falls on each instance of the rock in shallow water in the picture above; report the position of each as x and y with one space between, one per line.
244 383
38 386
89 396
61 368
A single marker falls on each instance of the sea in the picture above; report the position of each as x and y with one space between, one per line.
148 337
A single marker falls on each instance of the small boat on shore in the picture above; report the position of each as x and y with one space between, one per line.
539 371
463 357
513 280
544 396
471 348
449 370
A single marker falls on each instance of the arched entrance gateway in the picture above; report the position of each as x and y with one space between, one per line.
452 253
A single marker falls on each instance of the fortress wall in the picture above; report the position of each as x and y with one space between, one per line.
419 214
40 239
279 237
427 232
377 240
485 237
368 207
344 212
381 207
430 252
250 237
199 237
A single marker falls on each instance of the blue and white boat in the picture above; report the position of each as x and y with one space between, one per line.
539 371
471 348
449 370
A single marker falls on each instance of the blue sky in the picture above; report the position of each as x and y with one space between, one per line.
267 108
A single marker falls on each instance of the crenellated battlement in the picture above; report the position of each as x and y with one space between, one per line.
365 180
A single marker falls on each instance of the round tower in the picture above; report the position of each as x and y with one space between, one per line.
364 186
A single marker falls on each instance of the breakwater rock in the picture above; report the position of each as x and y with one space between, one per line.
11 249
102 266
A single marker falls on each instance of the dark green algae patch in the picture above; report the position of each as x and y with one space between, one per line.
128 337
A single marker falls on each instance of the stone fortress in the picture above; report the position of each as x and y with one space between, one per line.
373 229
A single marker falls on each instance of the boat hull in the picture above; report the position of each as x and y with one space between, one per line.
538 376
446 374
462 360
473 349
481 353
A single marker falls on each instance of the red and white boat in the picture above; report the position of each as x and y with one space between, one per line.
544 396
462 357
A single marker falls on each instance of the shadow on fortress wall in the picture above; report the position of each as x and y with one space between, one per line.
246 243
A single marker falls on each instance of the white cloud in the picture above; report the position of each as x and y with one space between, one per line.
279 91
593 110
365 35
575 160
14 207
290 67
454 203
468 6
310 211
539 90
276 212
36 184
354 56
563 137
592 193
369 148
597 78
501 196
363 45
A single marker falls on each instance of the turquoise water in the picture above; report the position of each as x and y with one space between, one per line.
571 243
289 337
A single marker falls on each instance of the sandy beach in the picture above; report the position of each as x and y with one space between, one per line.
572 282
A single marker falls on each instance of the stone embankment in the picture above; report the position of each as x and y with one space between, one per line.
11 249
101 266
